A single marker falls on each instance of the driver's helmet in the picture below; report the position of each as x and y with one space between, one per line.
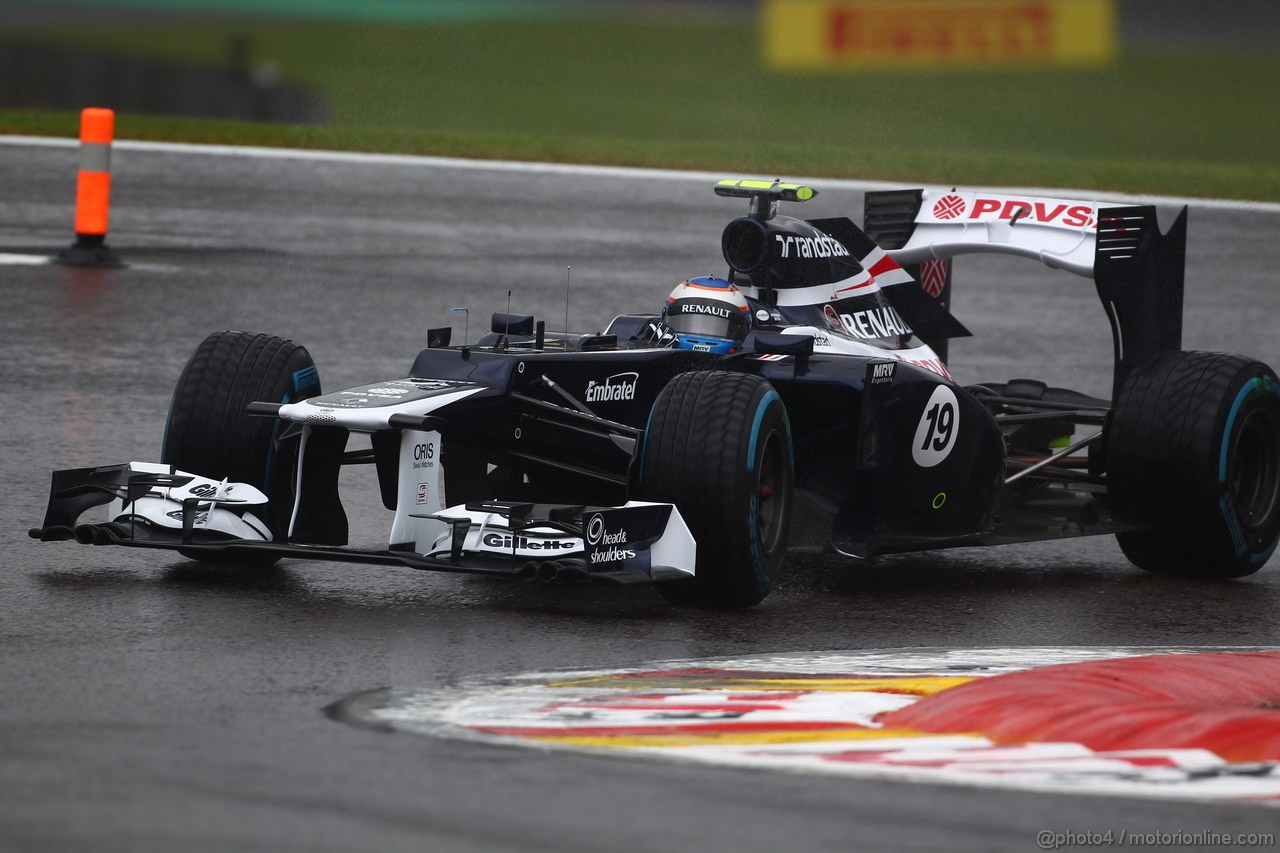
707 314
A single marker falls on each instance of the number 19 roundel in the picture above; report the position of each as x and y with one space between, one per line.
938 428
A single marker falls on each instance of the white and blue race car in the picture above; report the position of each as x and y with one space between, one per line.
833 420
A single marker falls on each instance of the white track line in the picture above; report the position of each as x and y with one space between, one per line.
23 260
632 172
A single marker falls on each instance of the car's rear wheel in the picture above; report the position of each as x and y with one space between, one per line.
718 446
1193 457
208 432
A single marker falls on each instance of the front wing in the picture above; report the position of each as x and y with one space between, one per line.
155 506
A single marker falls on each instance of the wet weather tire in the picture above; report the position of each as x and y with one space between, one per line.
718 446
208 432
1193 455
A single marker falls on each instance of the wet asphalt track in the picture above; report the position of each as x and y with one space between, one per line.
154 704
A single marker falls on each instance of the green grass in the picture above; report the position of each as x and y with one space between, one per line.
694 95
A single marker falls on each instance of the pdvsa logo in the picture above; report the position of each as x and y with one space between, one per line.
1066 214
949 207
1046 212
620 386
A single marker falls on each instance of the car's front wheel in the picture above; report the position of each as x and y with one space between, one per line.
718 446
208 431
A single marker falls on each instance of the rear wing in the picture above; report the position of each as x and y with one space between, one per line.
1138 271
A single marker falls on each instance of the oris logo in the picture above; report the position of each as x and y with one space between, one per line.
620 386
424 455
949 207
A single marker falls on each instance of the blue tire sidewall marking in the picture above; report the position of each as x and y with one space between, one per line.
304 378
1226 504
644 446
753 511
761 408
1231 420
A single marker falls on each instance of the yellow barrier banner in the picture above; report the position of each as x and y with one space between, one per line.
803 35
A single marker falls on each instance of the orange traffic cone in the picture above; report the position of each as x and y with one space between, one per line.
93 192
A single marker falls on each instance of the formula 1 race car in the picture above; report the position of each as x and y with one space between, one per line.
657 451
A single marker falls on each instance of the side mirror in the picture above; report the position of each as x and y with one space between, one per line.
512 324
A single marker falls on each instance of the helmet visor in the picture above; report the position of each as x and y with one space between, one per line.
701 324
714 319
